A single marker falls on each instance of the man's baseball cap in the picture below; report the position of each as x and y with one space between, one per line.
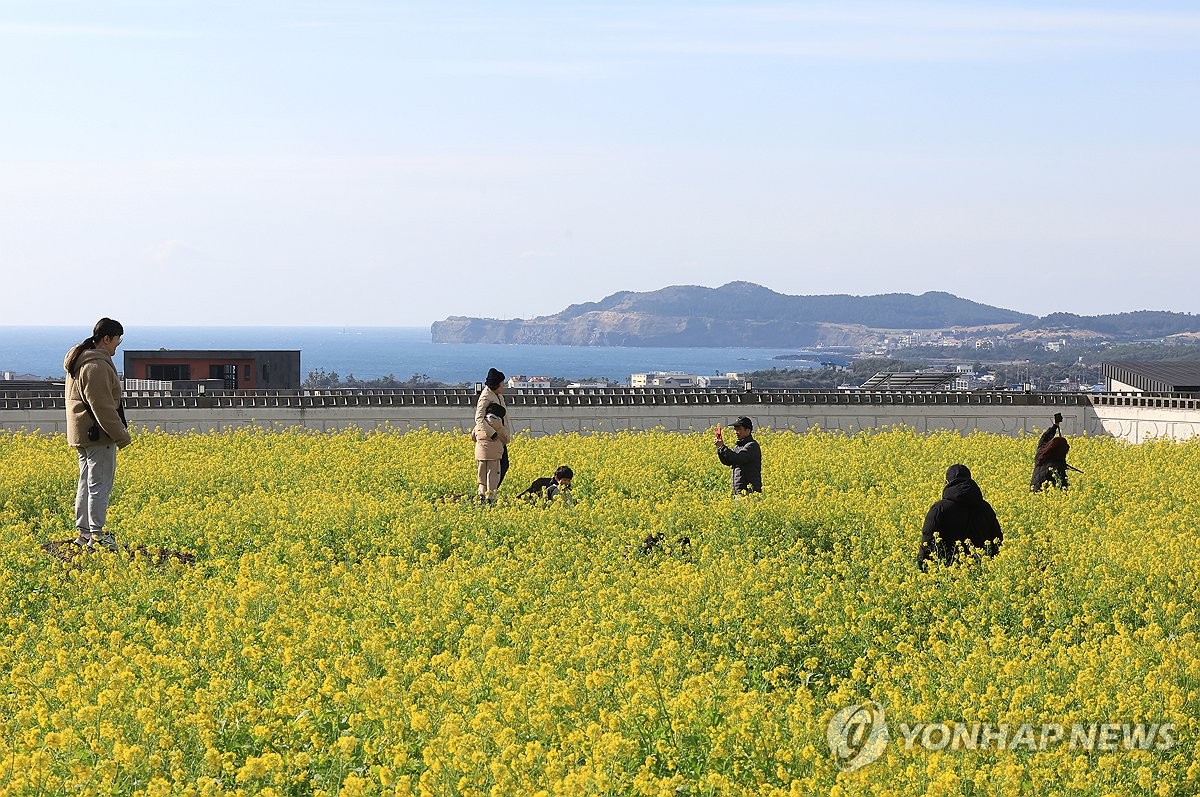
743 422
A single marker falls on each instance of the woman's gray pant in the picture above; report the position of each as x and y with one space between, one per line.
97 468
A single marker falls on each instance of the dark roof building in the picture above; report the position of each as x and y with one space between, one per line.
910 380
237 370
1166 376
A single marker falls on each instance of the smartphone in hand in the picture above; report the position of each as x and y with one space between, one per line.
719 438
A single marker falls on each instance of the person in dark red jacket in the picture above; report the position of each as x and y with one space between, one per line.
1050 461
961 520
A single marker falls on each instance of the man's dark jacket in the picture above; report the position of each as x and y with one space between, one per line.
962 516
745 457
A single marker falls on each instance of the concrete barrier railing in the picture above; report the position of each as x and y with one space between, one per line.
578 397
1134 417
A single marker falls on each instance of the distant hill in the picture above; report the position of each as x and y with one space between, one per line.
745 314
736 314
1137 325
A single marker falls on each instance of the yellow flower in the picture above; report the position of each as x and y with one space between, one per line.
346 745
349 627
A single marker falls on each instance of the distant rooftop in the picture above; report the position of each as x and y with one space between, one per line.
910 380
1169 376
7 385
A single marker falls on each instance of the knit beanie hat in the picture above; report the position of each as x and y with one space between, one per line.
957 472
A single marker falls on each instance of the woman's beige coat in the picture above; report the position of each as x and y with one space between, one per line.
490 436
95 381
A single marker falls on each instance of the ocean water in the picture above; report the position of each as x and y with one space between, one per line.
374 352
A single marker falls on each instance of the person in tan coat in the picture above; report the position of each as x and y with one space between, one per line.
96 428
491 435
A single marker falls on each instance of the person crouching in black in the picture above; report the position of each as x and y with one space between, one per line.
551 487
961 518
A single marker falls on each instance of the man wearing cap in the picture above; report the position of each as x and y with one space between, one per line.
745 457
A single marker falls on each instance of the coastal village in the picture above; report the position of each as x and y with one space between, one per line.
965 346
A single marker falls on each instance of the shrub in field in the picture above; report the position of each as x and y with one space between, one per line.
351 626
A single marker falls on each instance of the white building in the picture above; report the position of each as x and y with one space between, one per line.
668 379
729 380
529 382
964 381
677 379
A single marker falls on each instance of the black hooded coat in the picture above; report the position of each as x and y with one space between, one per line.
961 517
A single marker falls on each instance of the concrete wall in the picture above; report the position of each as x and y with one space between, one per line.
1139 424
1133 423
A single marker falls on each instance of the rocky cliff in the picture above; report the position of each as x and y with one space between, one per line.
641 329
737 314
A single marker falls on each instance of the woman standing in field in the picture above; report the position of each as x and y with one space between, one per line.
96 428
491 435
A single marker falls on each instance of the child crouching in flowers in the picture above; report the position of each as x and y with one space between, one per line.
552 487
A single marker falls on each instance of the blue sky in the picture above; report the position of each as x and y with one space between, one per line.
389 163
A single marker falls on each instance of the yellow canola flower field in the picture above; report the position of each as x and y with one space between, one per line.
350 627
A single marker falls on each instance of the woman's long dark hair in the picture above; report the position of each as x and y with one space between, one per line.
105 328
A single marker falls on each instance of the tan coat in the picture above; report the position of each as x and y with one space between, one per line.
96 381
486 446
